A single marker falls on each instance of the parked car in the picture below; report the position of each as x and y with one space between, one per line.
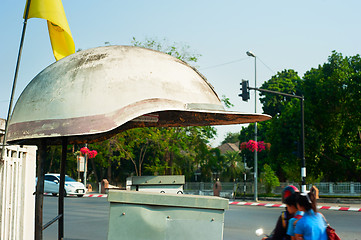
72 187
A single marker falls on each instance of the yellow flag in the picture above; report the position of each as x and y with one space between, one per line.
59 31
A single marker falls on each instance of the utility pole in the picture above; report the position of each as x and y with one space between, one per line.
251 54
245 97
244 178
85 166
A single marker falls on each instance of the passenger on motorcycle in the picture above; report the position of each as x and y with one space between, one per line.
280 230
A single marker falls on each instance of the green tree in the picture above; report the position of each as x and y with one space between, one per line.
233 166
231 137
283 130
227 103
107 163
269 178
286 81
53 158
332 96
179 50
332 119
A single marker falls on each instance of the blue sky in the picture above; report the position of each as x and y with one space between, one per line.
297 35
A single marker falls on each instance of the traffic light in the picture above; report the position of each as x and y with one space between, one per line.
245 90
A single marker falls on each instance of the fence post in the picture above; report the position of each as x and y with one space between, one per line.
29 166
331 187
352 188
201 188
349 188
234 190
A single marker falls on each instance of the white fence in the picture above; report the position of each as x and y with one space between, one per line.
17 185
228 188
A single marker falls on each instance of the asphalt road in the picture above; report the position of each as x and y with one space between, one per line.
241 222
87 218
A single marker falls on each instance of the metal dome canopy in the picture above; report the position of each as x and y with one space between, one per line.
94 94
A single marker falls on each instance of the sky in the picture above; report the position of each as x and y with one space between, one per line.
283 34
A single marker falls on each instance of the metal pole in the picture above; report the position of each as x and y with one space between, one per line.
39 197
303 168
61 189
255 133
244 179
85 165
51 222
15 77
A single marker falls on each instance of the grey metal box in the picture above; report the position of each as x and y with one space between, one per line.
158 184
153 216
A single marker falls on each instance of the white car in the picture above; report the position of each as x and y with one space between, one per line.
72 187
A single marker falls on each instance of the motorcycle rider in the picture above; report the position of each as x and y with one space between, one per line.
280 230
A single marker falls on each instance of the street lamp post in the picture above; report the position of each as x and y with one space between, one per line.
245 97
303 167
251 54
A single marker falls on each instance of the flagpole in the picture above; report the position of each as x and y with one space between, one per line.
15 78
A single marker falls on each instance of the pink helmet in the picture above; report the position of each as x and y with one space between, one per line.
288 191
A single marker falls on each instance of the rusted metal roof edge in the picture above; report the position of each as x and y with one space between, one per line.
169 118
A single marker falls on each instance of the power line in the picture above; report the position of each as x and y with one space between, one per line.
238 60
222 64
266 66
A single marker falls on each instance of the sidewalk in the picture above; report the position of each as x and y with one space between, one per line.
336 205
95 195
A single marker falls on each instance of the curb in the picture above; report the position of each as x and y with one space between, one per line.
95 195
283 206
85 195
352 209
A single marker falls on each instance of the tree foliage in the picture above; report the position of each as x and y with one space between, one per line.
332 122
286 81
179 50
269 178
233 166
332 96
231 138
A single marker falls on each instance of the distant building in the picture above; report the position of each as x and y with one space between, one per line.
2 129
229 147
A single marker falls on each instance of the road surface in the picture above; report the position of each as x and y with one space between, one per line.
87 218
